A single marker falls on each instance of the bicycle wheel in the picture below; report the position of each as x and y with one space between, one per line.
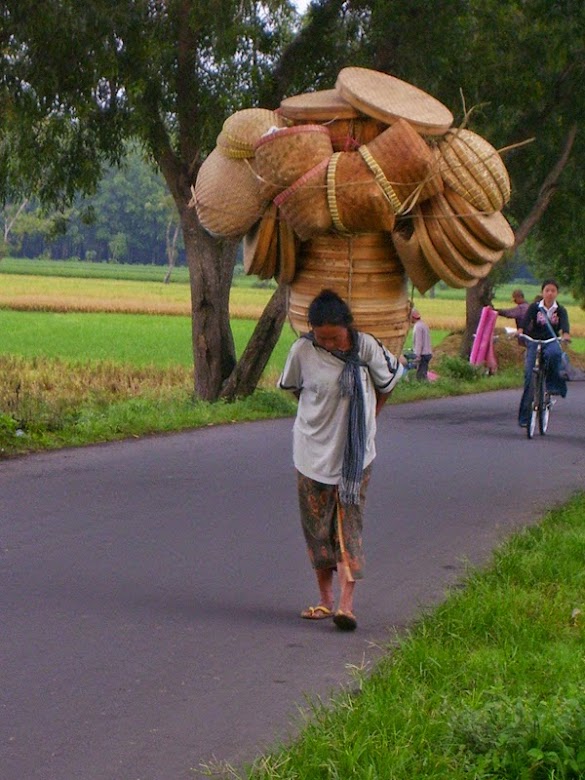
532 403
543 405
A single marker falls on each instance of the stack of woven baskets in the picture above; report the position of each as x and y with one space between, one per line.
358 189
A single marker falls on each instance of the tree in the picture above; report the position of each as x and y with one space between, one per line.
166 73
518 67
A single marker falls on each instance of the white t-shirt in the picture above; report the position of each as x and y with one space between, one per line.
320 427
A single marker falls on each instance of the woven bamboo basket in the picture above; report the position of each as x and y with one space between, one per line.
282 157
366 272
493 230
227 196
241 131
407 164
356 201
304 204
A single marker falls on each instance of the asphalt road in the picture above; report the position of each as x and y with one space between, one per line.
150 588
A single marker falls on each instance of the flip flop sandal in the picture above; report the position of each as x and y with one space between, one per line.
316 613
345 621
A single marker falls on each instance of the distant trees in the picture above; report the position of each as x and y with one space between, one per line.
130 219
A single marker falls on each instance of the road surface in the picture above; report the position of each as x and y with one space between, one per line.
150 588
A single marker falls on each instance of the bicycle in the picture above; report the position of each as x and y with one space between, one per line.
539 398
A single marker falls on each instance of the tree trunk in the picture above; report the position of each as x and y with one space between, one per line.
171 249
246 375
211 264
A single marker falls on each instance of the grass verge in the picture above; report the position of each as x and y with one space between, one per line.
488 685
48 403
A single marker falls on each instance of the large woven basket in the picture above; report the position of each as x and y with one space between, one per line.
387 98
473 168
304 204
283 156
493 230
241 131
357 203
366 272
227 196
407 164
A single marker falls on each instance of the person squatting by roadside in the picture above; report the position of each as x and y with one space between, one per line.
544 319
421 345
342 378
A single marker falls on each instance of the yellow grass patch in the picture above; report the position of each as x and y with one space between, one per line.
64 294
53 384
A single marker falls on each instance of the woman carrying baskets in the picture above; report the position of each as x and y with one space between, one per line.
342 378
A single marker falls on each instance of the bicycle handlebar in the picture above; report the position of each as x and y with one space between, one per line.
540 341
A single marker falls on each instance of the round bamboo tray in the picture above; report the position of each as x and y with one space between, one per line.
366 272
470 247
319 106
387 99
434 259
287 252
260 245
452 257
415 263
493 230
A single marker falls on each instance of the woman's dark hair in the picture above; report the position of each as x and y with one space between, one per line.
329 309
549 281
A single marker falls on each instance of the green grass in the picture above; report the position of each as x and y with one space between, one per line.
135 339
489 685
85 270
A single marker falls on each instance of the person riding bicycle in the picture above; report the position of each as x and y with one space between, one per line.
544 319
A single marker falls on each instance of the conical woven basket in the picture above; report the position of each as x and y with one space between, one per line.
406 162
304 204
282 157
493 230
259 245
227 196
366 272
241 131
356 201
